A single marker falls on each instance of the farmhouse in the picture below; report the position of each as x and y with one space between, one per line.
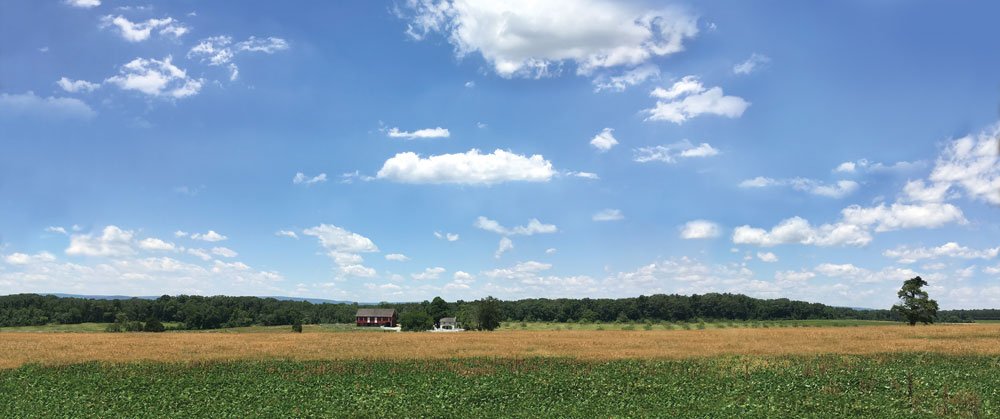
448 323
376 317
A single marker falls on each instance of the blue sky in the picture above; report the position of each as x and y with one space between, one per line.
401 150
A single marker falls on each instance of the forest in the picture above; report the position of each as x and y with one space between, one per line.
197 312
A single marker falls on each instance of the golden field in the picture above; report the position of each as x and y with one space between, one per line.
66 348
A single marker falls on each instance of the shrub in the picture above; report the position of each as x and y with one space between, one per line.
297 326
153 325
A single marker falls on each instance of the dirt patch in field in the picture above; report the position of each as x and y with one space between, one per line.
53 349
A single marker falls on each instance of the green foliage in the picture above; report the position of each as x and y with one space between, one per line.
153 325
438 309
297 326
914 304
489 313
898 386
416 321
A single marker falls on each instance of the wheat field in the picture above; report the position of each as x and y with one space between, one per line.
68 348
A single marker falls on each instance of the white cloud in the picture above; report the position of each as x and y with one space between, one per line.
608 215
905 254
899 216
519 271
141 31
971 163
470 84
59 230
157 78
462 276
220 50
83 4
286 233
74 86
470 168
584 175
429 273
918 191
437 132
153 243
755 62
672 152
28 104
210 236
793 276
604 140
862 275
200 253
839 189
397 257
446 236
797 230
700 229
532 39
550 251
533 227
505 245
345 248
767 257
688 98
180 234
224 252
26 259
301 178
627 79
113 242
868 166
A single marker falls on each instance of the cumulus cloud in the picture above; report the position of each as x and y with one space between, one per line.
224 252
505 245
141 31
688 98
26 259
754 63
301 178
437 132
54 229
906 254
83 4
470 168
797 230
446 236
345 248
627 79
767 257
156 78
671 153
604 140
532 39
286 233
74 86
899 216
210 236
152 243
971 164
533 227
113 242
429 273
30 105
700 229
397 257
608 215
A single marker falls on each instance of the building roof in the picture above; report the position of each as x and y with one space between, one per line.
376 312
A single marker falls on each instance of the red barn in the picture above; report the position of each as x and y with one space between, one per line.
376 317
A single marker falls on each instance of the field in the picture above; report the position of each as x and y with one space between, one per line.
872 371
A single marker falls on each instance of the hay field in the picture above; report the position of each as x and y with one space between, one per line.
17 349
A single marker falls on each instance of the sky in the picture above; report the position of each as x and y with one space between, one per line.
397 151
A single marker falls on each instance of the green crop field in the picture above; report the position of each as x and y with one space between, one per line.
910 385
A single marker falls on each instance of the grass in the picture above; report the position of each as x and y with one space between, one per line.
910 385
548 326
17 349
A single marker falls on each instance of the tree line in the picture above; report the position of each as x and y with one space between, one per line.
198 312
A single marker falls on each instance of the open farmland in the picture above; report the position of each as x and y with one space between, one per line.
17 349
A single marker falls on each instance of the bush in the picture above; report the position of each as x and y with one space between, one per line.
297 326
153 325
416 321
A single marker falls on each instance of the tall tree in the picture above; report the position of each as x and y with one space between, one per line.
914 303
489 313
438 309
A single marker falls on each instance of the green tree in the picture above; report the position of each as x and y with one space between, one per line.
489 313
153 325
914 304
297 325
416 321
438 309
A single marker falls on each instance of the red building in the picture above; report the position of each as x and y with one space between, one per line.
376 317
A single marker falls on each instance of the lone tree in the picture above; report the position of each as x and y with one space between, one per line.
914 305
489 313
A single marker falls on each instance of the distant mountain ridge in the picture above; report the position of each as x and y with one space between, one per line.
153 297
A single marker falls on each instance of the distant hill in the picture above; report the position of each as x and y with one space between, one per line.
153 297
